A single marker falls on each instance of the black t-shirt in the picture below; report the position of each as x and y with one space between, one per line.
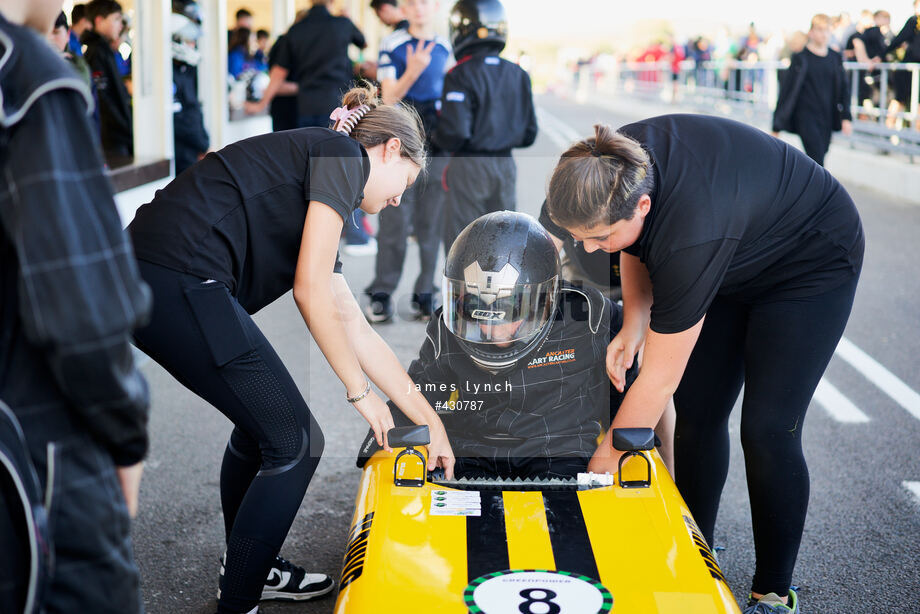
849 45
316 54
740 214
238 215
599 267
875 42
816 99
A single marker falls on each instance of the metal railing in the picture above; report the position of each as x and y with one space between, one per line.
749 90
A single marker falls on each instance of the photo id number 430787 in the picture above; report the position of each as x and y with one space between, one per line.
458 405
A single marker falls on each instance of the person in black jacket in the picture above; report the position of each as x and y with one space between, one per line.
114 102
814 95
486 111
70 296
189 134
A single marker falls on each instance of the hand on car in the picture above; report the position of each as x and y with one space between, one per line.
440 454
605 458
375 411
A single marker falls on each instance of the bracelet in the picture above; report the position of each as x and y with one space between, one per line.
366 392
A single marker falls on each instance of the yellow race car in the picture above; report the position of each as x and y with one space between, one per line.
595 544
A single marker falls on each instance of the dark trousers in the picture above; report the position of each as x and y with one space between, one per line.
816 136
92 556
778 350
206 340
477 185
423 206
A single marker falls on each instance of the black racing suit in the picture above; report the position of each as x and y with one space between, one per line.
486 111
544 417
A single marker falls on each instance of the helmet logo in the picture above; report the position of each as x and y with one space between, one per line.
490 285
482 314
482 32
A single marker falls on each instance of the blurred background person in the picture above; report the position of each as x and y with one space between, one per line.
411 68
79 23
121 50
316 54
239 55
814 95
59 37
117 128
260 55
243 18
390 14
189 135
904 48
283 107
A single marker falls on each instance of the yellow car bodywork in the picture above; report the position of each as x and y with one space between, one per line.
639 548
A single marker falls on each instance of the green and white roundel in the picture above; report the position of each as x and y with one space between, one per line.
536 591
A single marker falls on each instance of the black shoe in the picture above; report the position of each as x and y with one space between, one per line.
288 582
425 305
380 308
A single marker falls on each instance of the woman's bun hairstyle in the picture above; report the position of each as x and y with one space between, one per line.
599 180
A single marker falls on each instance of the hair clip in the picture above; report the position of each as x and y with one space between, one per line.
346 119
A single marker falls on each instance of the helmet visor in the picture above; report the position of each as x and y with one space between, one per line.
510 314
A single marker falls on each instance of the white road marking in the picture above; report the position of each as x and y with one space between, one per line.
838 406
554 135
560 132
913 487
887 381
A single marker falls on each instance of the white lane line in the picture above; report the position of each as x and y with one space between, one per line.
553 124
554 136
889 383
838 406
913 487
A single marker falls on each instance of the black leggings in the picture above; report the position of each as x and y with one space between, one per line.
779 351
207 341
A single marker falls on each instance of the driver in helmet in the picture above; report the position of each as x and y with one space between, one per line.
514 362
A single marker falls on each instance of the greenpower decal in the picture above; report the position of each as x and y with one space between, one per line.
536 591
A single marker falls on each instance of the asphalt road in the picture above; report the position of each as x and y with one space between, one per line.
861 548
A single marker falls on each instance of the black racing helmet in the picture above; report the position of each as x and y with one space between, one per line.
500 287
473 22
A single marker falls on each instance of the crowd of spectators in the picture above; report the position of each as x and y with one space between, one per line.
716 60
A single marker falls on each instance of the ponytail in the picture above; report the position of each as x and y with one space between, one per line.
599 180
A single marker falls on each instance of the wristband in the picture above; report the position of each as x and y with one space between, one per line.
366 392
